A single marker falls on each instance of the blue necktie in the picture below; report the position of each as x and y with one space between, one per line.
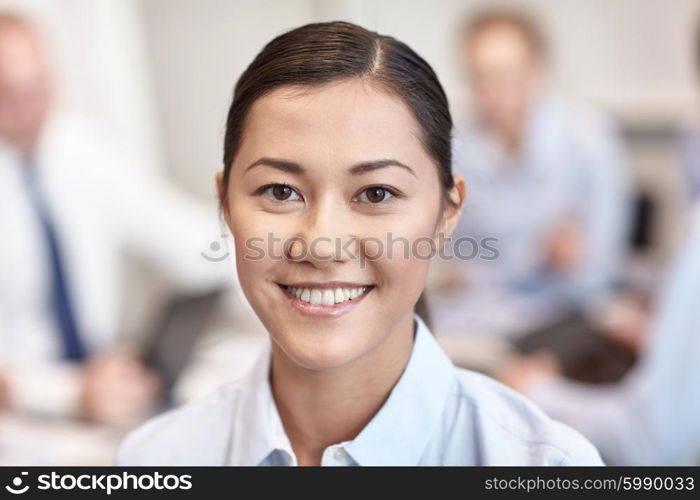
73 348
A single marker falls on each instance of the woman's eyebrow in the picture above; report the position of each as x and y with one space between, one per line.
368 166
361 168
284 165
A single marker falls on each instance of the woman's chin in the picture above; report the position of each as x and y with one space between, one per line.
320 354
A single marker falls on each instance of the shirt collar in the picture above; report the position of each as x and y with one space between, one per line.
258 430
396 435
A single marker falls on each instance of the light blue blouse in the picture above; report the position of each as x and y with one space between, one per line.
436 414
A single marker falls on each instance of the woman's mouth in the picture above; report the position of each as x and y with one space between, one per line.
325 300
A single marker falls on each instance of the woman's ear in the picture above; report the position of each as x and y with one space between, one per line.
454 204
221 191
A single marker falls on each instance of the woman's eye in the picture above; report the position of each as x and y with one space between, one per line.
281 192
375 194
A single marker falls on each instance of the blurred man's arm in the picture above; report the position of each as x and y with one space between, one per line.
611 417
606 214
602 413
51 388
689 159
651 417
113 388
118 389
170 229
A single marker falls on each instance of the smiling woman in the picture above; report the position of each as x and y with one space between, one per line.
337 147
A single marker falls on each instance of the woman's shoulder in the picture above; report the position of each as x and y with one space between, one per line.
195 433
511 429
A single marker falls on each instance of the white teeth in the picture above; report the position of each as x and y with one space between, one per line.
326 296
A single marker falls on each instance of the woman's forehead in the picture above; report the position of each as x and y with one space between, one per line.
349 120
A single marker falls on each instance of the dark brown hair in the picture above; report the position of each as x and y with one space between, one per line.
321 53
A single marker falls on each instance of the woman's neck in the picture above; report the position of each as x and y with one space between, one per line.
322 408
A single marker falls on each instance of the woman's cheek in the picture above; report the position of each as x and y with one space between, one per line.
259 235
253 250
410 237
406 258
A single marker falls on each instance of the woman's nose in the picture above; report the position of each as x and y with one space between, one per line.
325 238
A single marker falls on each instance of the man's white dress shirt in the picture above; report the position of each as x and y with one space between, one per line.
103 207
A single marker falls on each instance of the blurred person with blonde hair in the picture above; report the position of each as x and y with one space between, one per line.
550 190
71 205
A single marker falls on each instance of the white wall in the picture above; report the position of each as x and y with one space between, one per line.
197 50
159 73
632 56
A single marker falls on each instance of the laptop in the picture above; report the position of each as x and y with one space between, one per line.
168 348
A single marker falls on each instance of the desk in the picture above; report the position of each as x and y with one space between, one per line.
33 440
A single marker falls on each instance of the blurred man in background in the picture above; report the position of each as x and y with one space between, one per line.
652 416
547 180
71 207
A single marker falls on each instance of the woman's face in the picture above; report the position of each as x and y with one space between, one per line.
324 180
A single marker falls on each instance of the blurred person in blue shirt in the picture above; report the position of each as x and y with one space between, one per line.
550 188
690 141
690 159
71 205
652 417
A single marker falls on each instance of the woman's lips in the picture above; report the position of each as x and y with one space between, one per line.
321 310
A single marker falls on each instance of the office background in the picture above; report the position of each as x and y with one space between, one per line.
158 75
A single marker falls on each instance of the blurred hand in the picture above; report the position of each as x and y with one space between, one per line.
626 320
523 372
118 389
564 248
